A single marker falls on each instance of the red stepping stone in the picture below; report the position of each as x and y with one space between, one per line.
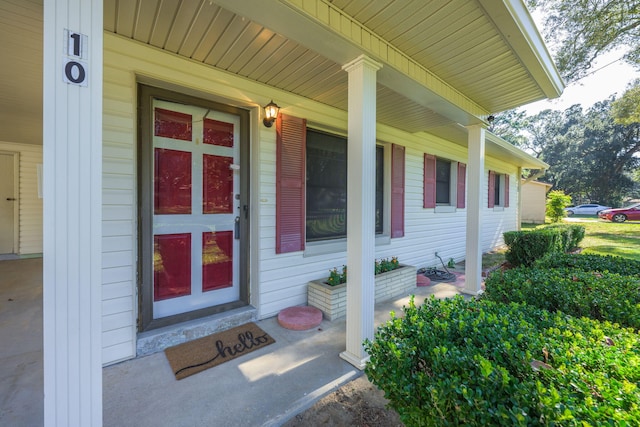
300 318
422 280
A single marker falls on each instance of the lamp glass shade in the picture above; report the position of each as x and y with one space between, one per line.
271 111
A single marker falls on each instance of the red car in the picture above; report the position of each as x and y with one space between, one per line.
631 213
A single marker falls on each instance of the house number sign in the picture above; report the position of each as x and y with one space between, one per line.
75 71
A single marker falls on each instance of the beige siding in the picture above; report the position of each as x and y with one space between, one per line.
534 196
278 281
118 213
30 208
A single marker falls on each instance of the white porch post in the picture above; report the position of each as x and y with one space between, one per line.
519 192
475 188
361 197
72 147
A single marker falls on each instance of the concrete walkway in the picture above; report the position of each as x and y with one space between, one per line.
264 388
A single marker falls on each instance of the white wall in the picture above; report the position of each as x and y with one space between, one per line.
277 281
30 205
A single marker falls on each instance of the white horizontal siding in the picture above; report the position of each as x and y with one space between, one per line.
284 277
30 206
118 214
496 221
278 280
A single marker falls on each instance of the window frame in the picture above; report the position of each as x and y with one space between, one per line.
500 188
336 244
454 187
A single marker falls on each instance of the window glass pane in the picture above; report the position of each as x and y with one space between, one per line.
497 189
443 181
326 186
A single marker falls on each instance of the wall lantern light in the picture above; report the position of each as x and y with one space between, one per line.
270 113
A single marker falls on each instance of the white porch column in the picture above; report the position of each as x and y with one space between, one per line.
475 188
361 198
72 147
519 205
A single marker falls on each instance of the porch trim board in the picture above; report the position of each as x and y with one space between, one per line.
72 297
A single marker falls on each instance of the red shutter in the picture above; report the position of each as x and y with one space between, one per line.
291 133
492 189
429 197
462 175
397 191
506 191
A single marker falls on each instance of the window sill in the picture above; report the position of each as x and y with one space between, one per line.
445 209
338 245
498 208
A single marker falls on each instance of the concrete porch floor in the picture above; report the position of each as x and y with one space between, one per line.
263 388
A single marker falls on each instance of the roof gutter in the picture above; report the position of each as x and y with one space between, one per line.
514 21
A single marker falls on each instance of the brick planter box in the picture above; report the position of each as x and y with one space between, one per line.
332 300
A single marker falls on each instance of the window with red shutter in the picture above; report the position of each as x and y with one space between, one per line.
492 189
506 191
397 190
429 197
290 183
462 175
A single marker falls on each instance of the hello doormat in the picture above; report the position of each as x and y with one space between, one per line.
206 352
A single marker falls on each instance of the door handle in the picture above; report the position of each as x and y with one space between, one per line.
236 233
11 199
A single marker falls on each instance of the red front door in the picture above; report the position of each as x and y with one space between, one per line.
196 208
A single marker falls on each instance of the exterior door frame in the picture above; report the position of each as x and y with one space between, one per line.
146 94
16 196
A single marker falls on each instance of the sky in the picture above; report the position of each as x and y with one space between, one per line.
610 76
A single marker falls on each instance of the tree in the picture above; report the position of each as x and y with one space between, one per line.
592 157
556 202
509 125
626 110
585 29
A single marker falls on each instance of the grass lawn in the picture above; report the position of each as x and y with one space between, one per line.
609 238
601 237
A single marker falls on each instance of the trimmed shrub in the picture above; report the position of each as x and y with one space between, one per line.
597 295
592 262
527 246
455 362
572 235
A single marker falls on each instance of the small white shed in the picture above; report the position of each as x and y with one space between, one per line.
534 196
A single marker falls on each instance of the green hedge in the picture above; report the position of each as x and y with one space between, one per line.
527 246
597 295
455 362
591 262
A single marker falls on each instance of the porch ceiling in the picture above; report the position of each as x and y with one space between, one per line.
444 62
482 60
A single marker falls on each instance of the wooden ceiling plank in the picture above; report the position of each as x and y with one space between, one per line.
162 23
210 37
198 28
227 40
272 51
181 25
126 12
145 19
252 39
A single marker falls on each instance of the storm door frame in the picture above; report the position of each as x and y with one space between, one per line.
146 94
